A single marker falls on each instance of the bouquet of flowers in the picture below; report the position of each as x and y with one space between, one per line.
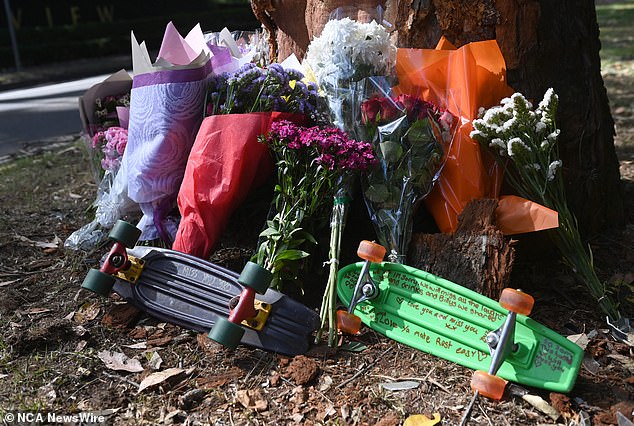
310 161
346 53
111 142
166 109
103 111
256 89
411 137
525 142
104 105
227 161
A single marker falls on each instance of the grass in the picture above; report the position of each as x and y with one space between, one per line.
616 23
617 67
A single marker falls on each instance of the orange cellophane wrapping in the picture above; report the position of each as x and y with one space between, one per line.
463 80
226 162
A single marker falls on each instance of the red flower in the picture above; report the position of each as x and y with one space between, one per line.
389 110
370 109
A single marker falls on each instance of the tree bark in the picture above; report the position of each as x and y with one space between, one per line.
477 256
544 43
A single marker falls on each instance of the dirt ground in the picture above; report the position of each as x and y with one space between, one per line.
59 344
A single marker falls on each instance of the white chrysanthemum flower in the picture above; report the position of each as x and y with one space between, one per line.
540 126
533 166
509 124
548 98
554 135
545 145
552 169
516 146
491 114
499 144
345 49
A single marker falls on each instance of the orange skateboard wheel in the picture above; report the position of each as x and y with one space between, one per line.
488 385
371 251
516 301
348 323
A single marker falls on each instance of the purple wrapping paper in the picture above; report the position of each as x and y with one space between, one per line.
166 109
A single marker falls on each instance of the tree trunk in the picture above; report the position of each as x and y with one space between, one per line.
544 43
476 256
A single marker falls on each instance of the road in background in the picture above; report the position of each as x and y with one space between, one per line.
41 113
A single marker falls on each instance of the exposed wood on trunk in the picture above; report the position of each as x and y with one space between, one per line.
478 256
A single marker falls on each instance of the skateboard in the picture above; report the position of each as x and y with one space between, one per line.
196 294
429 313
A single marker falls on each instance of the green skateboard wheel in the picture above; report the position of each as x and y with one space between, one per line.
226 333
98 282
125 233
255 277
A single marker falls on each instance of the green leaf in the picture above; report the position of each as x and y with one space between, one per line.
269 232
391 151
353 347
377 193
291 255
419 132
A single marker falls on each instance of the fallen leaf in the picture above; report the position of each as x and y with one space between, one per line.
422 420
119 361
140 345
35 311
87 312
539 403
399 386
581 340
353 347
625 360
252 399
55 244
325 383
154 360
159 377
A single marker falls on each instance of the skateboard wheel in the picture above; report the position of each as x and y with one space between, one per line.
125 233
371 251
516 301
255 277
226 333
488 385
348 323
98 282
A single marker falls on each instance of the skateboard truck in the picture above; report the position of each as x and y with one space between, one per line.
245 310
501 344
371 252
116 262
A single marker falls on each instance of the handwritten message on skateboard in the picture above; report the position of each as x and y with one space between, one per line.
447 320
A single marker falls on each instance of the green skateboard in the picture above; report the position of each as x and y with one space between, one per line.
447 320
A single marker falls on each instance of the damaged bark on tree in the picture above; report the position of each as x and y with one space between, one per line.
477 256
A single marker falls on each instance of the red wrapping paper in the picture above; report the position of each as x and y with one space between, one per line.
226 162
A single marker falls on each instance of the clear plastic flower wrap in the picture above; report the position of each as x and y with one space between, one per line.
411 138
103 111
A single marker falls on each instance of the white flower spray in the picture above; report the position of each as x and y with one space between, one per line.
525 143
